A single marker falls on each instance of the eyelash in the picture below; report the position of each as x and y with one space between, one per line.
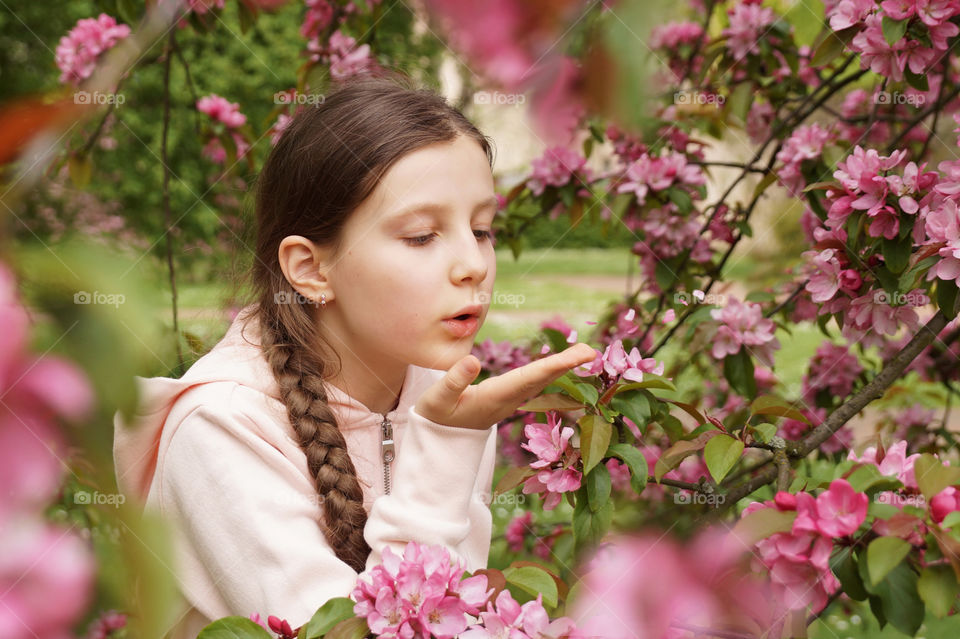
423 240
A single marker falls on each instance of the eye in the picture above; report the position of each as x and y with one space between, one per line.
482 234
421 240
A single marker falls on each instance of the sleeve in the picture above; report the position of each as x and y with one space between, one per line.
249 538
441 493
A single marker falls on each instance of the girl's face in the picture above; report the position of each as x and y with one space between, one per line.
415 253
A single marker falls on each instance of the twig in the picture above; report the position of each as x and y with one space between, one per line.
167 213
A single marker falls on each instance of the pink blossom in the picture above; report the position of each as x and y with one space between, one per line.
507 618
748 23
516 531
346 58
657 173
894 463
742 324
105 624
78 51
555 167
673 34
876 53
553 483
833 368
222 110
850 13
824 282
872 313
840 509
421 593
318 17
806 143
547 441
500 357
615 363
944 503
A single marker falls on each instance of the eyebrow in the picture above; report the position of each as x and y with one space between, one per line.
430 207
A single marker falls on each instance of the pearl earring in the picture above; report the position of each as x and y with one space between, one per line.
323 300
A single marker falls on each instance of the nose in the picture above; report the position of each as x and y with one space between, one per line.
469 263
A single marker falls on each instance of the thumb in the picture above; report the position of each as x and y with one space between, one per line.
439 401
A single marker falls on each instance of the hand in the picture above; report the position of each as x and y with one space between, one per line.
452 401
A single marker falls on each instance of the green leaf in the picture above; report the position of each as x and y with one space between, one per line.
533 581
671 457
234 628
594 439
588 526
896 598
938 588
762 523
635 461
893 30
883 555
352 628
721 453
513 478
932 476
552 401
844 566
740 100
896 254
763 432
947 297
633 404
129 11
917 80
597 482
773 405
664 275
738 369
329 615
867 476
681 198
649 381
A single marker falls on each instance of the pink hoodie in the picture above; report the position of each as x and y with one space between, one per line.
215 453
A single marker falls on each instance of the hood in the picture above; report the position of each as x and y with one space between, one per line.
235 358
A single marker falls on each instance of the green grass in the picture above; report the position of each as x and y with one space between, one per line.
563 262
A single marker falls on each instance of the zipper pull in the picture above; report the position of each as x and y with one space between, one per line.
387 451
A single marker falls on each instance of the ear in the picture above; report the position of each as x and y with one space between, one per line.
302 263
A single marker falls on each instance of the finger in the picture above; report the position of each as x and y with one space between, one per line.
443 396
525 382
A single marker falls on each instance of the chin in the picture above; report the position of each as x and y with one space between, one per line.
445 359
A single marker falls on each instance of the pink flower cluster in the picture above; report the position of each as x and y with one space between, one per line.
78 51
555 460
651 174
228 114
749 23
894 462
651 587
507 618
741 324
925 41
805 144
676 39
419 594
799 561
556 167
104 625
46 572
500 357
615 364
833 368
943 225
830 274
318 17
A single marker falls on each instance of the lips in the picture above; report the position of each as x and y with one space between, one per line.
467 312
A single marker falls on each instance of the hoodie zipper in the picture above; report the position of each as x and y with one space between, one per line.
387 451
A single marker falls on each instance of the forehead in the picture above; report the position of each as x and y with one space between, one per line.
448 174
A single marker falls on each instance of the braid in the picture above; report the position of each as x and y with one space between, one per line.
303 393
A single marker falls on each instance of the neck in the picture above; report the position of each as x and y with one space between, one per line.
378 388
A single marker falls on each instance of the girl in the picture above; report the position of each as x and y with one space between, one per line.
337 416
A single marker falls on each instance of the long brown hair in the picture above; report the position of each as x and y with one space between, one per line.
326 162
